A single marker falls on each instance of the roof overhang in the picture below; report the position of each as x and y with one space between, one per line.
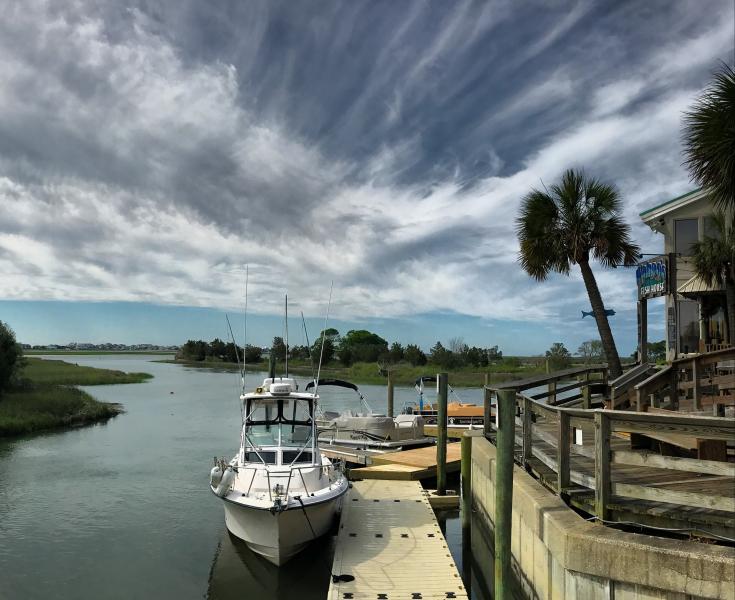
697 287
653 217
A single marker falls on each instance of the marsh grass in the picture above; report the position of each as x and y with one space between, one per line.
45 397
65 373
403 374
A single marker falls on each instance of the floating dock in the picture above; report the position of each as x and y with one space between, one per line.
390 542
419 463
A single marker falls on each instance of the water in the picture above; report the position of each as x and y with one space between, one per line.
123 510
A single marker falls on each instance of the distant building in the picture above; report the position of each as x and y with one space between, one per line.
695 312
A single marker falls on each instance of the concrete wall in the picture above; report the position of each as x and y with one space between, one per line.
557 554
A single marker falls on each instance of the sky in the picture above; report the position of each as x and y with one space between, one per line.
150 150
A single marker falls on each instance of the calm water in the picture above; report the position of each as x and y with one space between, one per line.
123 510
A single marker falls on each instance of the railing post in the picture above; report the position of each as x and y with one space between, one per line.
562 452
602 463
552 392
527 431
390 393
674 395
586 391
487 397
696 389
504 493
441 436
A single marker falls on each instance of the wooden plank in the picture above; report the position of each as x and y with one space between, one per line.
418 457
702 427
602 463
562 453
390 542
659 494
557 390
692 465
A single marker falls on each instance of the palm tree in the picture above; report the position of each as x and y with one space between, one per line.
714 262
709 138
574 221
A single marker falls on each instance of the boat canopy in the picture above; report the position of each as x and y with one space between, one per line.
334 382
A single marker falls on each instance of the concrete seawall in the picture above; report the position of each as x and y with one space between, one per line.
558 554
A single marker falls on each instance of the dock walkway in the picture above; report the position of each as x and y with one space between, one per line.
419 463
390 542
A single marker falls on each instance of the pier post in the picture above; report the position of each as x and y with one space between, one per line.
504 492
390 393
466 482
487 401
441 435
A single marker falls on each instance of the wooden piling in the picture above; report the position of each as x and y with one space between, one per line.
504 493
441 435
487 411
466 482
390 393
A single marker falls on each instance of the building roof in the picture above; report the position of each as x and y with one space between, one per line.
696 287
673 204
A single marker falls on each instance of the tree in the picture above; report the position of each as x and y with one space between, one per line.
396 353
558 357
709 138
414 355
278 348
569 224
361 346
714 262
591 351
316 350
253 354
11 356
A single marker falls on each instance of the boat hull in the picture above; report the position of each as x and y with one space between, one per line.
278 536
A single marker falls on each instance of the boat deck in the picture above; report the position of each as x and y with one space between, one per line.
419 463
390 542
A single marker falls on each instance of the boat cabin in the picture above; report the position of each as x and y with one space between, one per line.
278 426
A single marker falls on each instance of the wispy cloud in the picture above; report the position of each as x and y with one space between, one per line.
147 155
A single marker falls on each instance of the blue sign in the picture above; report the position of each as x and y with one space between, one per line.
652 279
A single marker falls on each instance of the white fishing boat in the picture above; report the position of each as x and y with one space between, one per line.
279 492
367 429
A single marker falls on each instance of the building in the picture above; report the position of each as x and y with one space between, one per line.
695 312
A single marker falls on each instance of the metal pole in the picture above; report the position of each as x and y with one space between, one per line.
504 493
441 435
390 393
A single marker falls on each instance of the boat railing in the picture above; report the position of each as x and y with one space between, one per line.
330 470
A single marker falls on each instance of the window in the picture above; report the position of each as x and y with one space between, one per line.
268 457
688 326
290 455
686 233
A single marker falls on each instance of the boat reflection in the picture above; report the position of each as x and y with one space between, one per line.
237 572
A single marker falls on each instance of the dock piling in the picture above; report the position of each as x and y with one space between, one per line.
504 492
441 435
466 482
390 393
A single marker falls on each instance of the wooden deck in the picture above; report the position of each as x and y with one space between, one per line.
390 542
419 463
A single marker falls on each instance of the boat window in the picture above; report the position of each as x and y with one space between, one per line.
268 457
262 410
290 455
262 435
295 435
295 410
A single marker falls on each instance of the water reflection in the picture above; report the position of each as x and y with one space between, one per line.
238 572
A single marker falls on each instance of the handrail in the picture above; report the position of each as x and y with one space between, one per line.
606 424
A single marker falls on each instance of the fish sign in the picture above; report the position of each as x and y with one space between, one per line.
609 312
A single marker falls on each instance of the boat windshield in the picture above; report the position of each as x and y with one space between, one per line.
278 422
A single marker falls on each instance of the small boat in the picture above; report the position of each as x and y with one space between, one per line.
279 492
459 414
367 429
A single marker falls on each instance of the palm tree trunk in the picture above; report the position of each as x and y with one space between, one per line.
730 298
608 342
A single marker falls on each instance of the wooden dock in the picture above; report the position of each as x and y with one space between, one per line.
419 463
390 542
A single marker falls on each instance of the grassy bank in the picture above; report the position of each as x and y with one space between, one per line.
60 372
46 399
368 373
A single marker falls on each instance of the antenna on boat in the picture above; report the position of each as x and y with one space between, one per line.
245 328
237 353
286 335
308 347
324 331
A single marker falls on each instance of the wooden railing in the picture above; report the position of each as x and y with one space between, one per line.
550 434
692 384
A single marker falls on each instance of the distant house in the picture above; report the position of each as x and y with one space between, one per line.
695 312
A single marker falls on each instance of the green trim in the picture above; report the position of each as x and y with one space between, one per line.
650 210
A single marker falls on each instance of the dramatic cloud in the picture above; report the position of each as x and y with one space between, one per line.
148 154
